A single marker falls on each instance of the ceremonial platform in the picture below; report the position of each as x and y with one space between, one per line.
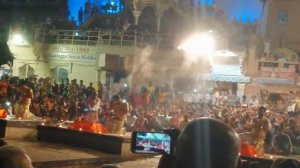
51 146
19 129
109 143
83 137
53 155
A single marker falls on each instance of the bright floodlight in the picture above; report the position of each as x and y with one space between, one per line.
198 45
18 39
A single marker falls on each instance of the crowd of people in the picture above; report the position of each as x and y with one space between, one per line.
121 108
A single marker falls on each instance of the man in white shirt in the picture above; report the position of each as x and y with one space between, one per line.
253 102
215 98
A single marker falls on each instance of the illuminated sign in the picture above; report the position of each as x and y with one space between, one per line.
71 53
72 49
71 57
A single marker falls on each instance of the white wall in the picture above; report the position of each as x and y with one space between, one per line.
86 73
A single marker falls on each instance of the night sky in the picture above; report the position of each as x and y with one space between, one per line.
74 5
241 10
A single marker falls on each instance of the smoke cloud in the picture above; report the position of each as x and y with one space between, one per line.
168 67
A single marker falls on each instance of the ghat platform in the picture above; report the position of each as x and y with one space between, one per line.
18 129
109 143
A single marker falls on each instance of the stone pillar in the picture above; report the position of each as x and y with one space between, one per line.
158 22
136 17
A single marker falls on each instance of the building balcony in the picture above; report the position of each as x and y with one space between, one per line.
278 72
110 38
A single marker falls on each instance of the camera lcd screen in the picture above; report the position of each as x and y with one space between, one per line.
151 142
85 109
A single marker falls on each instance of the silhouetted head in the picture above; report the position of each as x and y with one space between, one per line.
14 157
116 98
261 111
285 163
207 143
2 142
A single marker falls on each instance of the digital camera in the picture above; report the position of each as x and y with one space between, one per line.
153 142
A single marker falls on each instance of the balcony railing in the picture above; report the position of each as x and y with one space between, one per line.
78 37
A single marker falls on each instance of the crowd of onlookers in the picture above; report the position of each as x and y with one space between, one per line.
154 108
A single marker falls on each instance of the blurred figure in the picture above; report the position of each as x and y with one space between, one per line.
281 143
262 122
73 89
21 110
89 90
87 8
285 163
255 139
244 101
183 121
174 121
205 143
140 124
253 102
81 89
14 157
2 142
119 109
93 103
80 16
4 86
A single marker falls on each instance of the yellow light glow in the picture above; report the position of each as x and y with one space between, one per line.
18 39
198 45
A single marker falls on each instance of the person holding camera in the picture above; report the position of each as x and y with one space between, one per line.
204 143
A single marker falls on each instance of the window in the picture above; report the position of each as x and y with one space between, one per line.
282 17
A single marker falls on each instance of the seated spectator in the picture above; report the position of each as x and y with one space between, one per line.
183 121
21 110
2 142
205 143
131 118
140 123
174 121
285 163
281 143
14 157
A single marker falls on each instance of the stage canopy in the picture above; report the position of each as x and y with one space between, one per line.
226 73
